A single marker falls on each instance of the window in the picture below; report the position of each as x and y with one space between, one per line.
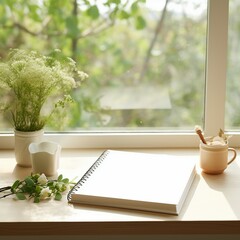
148 86
232 111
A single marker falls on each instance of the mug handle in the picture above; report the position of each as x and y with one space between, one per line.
234 155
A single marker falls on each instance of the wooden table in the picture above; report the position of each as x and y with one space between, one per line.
212 205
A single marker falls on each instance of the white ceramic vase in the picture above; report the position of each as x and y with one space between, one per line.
22 142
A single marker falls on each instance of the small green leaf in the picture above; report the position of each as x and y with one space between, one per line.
60 177
58 196
29 182
140 23
124 15
20 196
15 185
38 189
134 8
65 180
93 12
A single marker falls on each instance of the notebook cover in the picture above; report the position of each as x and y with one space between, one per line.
143 181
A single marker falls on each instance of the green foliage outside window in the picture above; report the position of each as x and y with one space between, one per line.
119 44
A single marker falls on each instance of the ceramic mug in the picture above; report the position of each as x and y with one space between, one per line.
214 159
45 157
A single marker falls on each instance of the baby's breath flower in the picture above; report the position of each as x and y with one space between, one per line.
82 75
29 81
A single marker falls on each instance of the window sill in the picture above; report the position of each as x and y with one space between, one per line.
134 140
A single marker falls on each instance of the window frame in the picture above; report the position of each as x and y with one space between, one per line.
216 72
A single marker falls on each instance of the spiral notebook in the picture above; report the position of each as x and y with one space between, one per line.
133 180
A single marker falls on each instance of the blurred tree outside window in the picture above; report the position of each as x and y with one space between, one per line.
145 59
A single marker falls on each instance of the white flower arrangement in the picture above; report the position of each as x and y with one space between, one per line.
39 188
31 81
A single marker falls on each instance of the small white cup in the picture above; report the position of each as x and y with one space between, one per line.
45 157
214 159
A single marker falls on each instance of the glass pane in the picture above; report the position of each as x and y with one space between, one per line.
232 111
145 59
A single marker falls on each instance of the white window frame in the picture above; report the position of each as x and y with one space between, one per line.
216 69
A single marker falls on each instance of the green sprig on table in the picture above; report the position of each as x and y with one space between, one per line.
38 187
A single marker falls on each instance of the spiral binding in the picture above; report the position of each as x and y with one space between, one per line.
87 174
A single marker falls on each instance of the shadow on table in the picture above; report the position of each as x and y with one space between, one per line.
228 183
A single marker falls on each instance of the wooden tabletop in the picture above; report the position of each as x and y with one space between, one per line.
212 205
